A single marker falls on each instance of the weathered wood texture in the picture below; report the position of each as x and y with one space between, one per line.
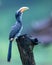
25 46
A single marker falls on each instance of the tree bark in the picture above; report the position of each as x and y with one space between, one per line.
25 46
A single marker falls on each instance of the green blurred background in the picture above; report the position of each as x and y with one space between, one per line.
39 9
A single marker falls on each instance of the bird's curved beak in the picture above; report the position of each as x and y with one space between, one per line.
23 9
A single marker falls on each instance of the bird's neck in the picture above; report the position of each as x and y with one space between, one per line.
19 17
19 20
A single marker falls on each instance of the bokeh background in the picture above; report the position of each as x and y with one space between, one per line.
39 9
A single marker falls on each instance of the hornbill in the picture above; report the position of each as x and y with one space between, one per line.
16 29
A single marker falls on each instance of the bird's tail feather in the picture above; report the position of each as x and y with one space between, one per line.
9 51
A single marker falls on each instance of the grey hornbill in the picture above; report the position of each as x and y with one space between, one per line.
16 29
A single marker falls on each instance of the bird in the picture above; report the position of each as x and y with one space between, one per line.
16 29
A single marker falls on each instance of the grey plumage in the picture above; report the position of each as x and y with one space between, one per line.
15 30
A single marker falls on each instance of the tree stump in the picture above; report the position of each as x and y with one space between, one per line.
25 46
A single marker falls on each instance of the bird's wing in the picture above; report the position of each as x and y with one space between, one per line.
19 31
42 31
14 30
